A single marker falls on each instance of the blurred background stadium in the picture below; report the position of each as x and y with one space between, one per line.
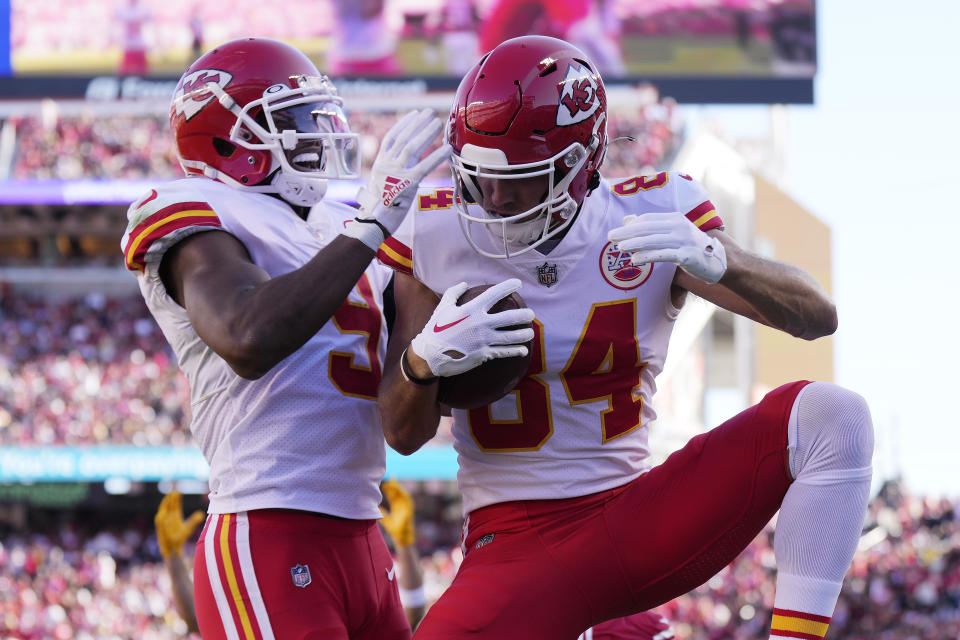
94 416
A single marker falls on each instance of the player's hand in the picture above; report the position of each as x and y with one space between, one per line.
172 529
395 176
460 338
398 521
670 237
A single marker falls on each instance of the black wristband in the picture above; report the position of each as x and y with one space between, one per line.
408 375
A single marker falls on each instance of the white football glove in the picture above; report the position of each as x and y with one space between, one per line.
670 237
395 176
460 338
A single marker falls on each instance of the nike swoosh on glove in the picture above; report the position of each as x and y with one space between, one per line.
670 237
395 176
460 338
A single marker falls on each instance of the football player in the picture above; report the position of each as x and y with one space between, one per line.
277 325
567 523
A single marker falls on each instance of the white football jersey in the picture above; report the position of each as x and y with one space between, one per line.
306 435
577 424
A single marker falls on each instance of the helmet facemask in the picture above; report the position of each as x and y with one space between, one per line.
305 131
522 232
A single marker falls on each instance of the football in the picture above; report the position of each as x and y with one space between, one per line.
492 380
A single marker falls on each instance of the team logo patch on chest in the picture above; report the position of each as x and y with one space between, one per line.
616 269
547 274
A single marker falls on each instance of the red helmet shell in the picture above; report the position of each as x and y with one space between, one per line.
532 97
244 69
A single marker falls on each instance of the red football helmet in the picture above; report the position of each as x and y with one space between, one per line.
256 114
533 106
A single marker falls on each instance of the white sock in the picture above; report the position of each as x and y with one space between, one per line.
821 518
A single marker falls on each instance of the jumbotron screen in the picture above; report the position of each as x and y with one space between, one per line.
706 45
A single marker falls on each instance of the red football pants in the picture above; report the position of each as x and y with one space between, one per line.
272 573
556 567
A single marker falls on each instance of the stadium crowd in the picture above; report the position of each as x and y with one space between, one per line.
904 583
68 584
76 372
132 147
88 146
92 370
64 582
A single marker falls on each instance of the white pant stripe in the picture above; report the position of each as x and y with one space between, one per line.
250 576
210 548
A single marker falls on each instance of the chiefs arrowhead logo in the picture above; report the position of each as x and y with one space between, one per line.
192 94
578 97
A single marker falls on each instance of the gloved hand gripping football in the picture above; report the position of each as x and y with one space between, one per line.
459 338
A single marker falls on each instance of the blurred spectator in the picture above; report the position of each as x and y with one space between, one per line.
362 42
196 32
457 26
131 18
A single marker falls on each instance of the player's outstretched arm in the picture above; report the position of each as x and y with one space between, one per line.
716 268
774 293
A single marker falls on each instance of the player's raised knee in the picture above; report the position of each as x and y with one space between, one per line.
848 415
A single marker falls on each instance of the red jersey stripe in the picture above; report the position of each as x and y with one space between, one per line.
160 214
398 247
705 216
801 614
139 244
396 255
230 570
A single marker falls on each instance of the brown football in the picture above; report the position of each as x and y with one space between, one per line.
492 380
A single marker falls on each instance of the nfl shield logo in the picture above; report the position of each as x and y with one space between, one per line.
547 274
301 575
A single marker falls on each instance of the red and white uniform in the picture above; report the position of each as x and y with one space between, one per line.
306 435
568 525
578 424
301 441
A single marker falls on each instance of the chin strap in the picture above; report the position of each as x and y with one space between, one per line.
296 190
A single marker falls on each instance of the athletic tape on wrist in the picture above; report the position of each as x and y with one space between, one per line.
369 233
